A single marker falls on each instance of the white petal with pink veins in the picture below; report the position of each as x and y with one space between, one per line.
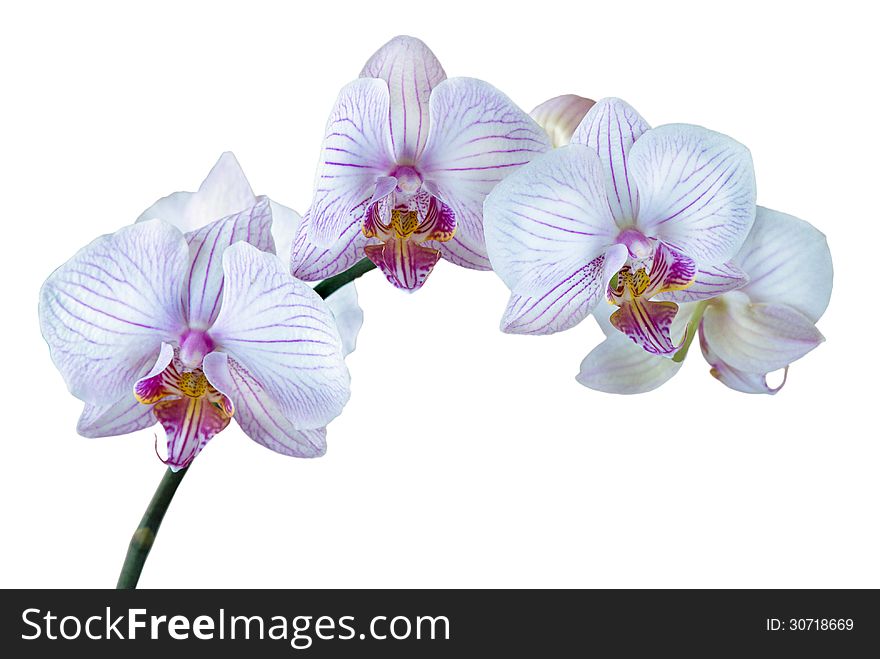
696 190
279 331
106 312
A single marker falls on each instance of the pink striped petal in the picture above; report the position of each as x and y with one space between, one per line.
124 416
648 325
561 115
411 71
356 151
283 335
106 312
312 262
710 282
619 366
789 263
478 137
747 383
203 286
566 304
610 128
548 220
757 337
696 190
223 192
670 270
258 415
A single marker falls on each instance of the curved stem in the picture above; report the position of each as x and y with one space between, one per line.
332 284
145 534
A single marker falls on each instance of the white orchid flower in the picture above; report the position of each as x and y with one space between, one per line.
744 334
624 212
192 324
407 160
561 115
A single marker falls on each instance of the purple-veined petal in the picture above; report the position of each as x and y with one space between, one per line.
257 414
566 304
405 264
283 335
610 128
478 137
285 226
411 71
348 314
788 262
548 220
312 262
151 387
648 324
356 151
747 383
225 191
757 337
696 190
203 286
124 416
106 312
561 115
710 282
189 424
619 366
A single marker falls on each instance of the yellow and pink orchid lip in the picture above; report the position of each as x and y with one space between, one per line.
188 406
403 220
644 321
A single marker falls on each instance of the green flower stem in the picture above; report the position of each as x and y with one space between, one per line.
692 328
145 535
332 284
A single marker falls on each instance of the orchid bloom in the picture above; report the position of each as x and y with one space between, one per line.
192 327
623 212
407 160
561 115
744 334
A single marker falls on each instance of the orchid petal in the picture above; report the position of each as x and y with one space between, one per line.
356 151
411 71
610 128
285 226
696 190
548 220
151 387
648 324
348 314
789 263
258 415
283 335
670 270
747 383
710 282
124 416
561 115
757 337
203 285
106 312
619 366
478 137
223 192
311 262
566 304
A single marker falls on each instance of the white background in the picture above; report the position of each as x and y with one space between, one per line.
466 457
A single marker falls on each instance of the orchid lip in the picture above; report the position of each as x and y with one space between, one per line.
194 345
